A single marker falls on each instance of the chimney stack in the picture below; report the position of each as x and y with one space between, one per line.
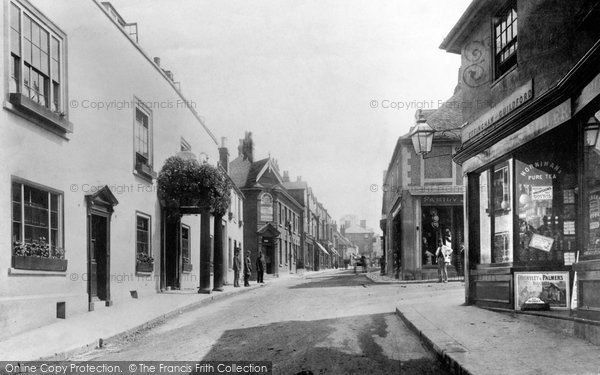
224 155
286 176
299 178
157 61
363 224
346 223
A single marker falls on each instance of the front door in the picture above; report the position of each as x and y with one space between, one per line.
98 258
173 254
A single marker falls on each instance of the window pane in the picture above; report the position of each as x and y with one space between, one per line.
16 233
502 240
15 20
44 40
27 51
35 34
15 42
55 48
44 63
27 27
35 57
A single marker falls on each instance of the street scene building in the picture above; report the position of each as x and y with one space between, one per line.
528 154
423 198
136 239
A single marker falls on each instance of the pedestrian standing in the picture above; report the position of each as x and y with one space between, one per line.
260 268
247 269
382 264
237 266
440 255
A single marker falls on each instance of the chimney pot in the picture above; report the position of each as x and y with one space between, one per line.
363 224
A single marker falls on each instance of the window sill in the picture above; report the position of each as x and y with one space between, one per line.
19 272
503 75
145 172
40 115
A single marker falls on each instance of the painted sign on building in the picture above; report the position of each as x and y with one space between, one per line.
516 99
266 207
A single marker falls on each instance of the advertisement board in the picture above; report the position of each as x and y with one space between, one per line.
551 287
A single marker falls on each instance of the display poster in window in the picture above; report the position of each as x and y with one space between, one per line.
541 193
551 287
541 242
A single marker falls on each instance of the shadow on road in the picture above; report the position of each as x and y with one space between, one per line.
349 345
338 280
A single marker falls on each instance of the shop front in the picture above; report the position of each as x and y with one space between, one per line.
430 218
533 204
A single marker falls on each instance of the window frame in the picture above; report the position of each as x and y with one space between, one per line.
443 180
60 214
500 68
142 215
143 168
185 227
54 120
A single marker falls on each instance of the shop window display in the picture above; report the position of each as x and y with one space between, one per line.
591 189
546 186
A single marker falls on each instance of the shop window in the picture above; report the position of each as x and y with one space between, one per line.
546 186
591 189
37 229
496 220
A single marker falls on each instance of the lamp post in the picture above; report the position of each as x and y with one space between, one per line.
592 129
422 136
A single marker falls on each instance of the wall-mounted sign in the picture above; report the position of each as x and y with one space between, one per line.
550 287
589 92
516 99
442 200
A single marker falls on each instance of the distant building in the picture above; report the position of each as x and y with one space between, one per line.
360 235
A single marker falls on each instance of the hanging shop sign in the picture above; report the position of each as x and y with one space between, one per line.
551 287
516 99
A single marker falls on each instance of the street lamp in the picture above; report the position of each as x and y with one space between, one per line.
422 136
592 129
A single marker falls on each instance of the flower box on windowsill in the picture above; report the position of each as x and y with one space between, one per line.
187 267
56 121
39 263
144 267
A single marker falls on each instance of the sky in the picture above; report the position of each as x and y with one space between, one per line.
325 86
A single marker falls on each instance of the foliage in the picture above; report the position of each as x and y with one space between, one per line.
186 182
144 258
37 248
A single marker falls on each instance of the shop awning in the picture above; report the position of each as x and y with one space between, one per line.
335 252
322 248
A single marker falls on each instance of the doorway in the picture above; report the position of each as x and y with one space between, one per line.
172 254
99 210
269 254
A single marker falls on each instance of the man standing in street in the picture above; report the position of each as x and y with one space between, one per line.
260 268
247 269
237 266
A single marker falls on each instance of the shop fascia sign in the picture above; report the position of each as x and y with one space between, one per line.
515 100
589 92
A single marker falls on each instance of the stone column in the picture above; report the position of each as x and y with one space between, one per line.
204 252
276 257
218 255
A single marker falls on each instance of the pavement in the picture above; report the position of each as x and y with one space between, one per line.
80 333
472 340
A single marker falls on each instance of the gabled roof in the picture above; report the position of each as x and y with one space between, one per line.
474 13
295 185
268 230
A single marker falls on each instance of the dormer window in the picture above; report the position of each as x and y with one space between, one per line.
505 39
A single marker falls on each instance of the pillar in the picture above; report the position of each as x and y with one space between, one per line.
218 274
204 252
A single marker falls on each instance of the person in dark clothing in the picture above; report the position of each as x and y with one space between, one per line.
237 267
247 269
260 268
